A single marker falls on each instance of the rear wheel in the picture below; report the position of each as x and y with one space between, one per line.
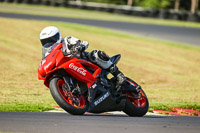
136 104
74 104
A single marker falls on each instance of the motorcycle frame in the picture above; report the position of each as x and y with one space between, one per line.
56 62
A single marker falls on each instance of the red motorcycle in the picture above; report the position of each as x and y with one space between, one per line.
79 86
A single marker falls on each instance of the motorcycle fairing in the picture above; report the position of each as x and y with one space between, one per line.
56 61
48 63
101 100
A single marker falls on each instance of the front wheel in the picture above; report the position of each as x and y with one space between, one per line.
74 104
136 104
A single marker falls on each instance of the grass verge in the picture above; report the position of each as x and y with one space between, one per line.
168 72
87 14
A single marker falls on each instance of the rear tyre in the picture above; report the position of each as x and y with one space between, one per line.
136 104
73 104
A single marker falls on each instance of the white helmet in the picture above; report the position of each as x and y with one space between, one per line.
50 34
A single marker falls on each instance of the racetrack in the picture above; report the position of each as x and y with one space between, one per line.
91 123
183 35
46 122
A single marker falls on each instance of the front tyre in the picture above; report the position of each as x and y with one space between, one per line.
74 104
136 104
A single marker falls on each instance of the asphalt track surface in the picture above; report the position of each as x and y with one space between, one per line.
183 35
46 122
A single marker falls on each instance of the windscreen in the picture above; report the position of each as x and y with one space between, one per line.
47 48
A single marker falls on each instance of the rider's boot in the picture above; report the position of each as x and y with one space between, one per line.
118 75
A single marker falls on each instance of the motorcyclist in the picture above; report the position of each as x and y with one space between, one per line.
51 37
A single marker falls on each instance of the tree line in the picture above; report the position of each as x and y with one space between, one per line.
177 5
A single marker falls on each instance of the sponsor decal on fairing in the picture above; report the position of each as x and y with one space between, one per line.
101 99
80 70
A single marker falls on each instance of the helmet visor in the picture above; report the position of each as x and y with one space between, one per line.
52 39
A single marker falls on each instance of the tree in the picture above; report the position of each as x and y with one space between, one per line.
177 4
194 6
197 4
130 2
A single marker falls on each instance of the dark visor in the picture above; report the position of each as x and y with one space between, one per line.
52 39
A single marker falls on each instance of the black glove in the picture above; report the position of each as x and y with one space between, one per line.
78 48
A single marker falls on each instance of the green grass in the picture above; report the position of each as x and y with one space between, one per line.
78 13
168 72
26 107
165 106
